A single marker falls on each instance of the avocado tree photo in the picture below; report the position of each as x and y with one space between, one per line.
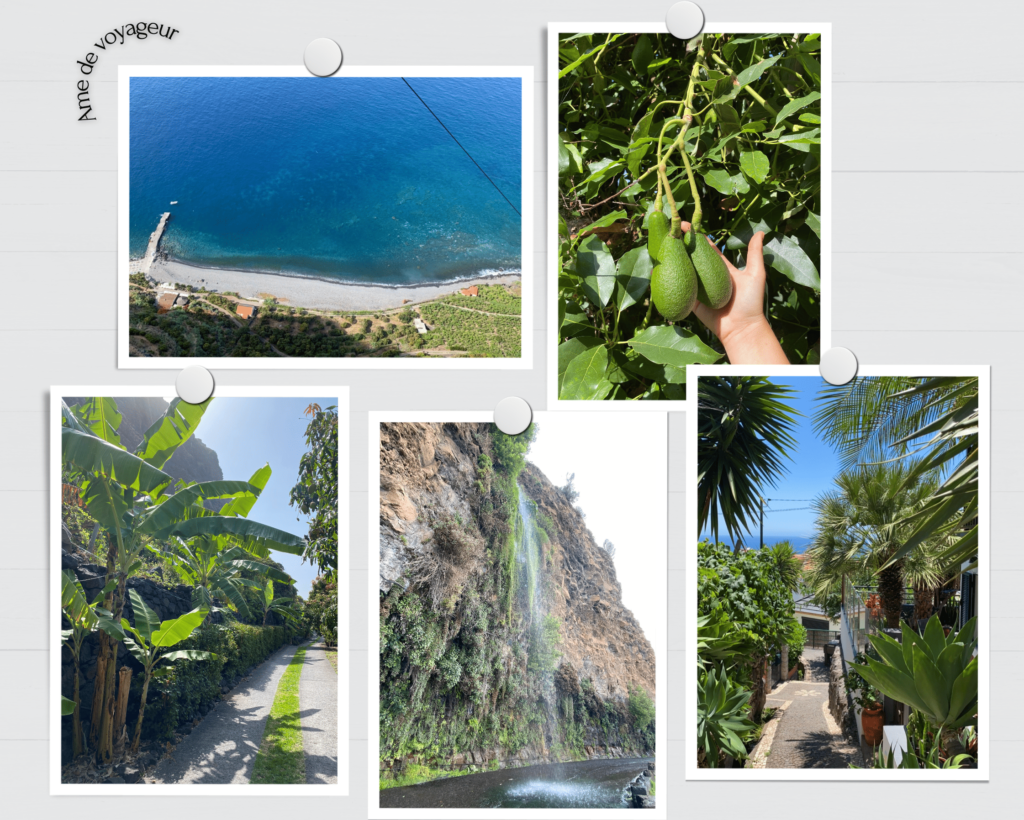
689 208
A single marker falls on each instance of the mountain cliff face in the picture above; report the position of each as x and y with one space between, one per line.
503 636
193 461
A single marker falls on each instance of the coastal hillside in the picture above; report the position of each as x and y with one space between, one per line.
194 320
504 641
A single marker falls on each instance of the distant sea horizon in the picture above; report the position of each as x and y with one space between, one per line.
800 543
348 179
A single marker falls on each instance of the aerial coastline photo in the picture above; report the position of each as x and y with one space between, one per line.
300 217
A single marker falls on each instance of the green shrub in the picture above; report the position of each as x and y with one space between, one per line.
179 697
641 707
796 637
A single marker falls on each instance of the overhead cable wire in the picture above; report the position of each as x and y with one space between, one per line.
450 134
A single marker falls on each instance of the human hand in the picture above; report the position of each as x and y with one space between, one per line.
741 325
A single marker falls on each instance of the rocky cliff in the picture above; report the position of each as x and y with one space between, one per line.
503 636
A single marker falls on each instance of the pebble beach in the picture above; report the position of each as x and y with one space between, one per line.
316 294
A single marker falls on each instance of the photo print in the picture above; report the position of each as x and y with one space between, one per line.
377 218
838 572
194 591
692 188
522 617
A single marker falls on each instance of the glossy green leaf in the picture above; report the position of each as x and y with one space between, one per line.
146 620
643 54
796 105
250 535
605 221
101 416
595 264
788 258
569 350
754 72
727 183
585 376
633 277
67 706
170 431
755 165
814 223
175 631
671 345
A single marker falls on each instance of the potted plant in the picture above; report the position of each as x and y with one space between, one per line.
869 699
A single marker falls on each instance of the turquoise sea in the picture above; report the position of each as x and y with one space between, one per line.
339 178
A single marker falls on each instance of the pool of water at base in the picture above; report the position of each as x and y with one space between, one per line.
589 784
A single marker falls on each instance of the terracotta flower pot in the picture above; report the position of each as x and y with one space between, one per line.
871 722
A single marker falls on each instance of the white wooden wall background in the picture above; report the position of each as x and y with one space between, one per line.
927 270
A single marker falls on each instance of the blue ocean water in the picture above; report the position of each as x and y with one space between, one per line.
347 178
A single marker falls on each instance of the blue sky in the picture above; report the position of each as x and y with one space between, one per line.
247 433
811 472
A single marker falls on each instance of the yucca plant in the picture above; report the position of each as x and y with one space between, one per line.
935 674
722 721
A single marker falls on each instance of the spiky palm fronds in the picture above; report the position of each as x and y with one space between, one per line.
745 436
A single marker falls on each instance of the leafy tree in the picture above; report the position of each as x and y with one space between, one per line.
569 488
734 120
321 610
751 590
609 548
316 492
641 707
149 640
861 526
287 608
85 618
744 432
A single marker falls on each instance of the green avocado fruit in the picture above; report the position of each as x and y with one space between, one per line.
714 285
657 229
674 281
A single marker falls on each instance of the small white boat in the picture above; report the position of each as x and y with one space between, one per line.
175 202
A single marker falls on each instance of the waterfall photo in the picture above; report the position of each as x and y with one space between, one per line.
520 582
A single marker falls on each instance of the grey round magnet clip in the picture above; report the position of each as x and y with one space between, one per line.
838 365
322 57
513 415
194 384
685 20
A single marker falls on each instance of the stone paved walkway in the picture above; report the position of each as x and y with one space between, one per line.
223 747
318 709
806 736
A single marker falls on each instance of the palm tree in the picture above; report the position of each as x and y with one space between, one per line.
929 421
861 526
744 433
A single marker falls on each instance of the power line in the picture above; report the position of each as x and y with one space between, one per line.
450 134
788 509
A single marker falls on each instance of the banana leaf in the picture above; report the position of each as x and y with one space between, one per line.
242 505
174 632
252 536
146 620
170 431
162 516
101 416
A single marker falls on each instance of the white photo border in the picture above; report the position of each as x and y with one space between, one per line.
551 144
528 264
658 486
693 772
57 788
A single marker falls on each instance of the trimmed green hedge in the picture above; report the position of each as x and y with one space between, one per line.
180 697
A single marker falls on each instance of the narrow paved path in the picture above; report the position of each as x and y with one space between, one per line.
222 748
318 709
807 737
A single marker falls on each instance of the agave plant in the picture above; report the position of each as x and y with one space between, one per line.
719 640
935 674
149 640
922 751
722 720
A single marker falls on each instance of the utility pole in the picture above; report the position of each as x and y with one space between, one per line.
760 542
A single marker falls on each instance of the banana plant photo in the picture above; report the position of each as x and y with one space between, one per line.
689 207
187 656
